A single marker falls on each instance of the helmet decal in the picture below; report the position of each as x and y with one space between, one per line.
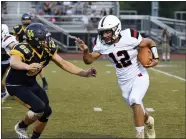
103 21
30 34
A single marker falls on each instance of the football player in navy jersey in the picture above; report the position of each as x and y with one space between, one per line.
18 32
27 60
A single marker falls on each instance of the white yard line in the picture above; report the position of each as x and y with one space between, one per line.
6 108
168 74
150 109
97 109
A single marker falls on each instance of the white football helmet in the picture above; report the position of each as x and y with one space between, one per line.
4 31
110 25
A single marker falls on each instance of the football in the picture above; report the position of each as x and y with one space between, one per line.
144 56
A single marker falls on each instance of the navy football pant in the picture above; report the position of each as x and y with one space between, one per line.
4 68
33 96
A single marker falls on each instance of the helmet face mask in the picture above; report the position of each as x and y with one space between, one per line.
26 19
109 29
106 36
26 22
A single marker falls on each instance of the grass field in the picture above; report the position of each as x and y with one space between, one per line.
73 99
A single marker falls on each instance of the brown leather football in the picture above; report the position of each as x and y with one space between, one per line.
144 56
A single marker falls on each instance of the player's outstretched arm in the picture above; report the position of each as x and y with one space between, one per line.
16 63
88 57
71 68
152 45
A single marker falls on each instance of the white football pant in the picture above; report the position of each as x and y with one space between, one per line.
134 90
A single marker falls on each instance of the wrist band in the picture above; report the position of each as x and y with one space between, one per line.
155 52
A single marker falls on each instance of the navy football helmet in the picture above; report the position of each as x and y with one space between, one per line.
37 35
26 19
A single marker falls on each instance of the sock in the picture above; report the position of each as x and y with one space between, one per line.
168 56
44 81
163 56
22 124
140 132
35 135
140 129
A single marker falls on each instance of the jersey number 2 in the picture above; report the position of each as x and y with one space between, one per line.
123 62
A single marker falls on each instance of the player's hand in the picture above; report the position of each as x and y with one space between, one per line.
34 66
153 63
82 46
91 72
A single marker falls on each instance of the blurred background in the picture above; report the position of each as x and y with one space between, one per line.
81 19
73 98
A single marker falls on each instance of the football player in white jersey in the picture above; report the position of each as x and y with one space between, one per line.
8 42
120 48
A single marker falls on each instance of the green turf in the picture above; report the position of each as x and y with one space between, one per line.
175 67
72 99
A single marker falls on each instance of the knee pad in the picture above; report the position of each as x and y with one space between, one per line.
34 116
46 114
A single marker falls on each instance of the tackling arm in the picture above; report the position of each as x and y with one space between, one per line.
71 68
88 57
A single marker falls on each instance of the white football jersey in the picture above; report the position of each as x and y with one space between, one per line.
123 54
8 40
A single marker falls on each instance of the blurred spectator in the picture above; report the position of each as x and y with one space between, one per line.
40 8
166 38
103 12
4 7
110 11
69 11
85 21
79 8
67 5
58 8
48 7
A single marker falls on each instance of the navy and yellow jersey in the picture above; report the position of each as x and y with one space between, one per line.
29 56
18 31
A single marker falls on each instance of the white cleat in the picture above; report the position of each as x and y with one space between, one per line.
3 99
151 134
21 132
140 135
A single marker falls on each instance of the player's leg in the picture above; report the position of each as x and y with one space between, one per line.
45 84
168 52
139 89
163 51
125 89
41 123
31 101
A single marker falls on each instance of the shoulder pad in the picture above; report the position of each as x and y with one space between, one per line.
23 50
16 29
52 47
